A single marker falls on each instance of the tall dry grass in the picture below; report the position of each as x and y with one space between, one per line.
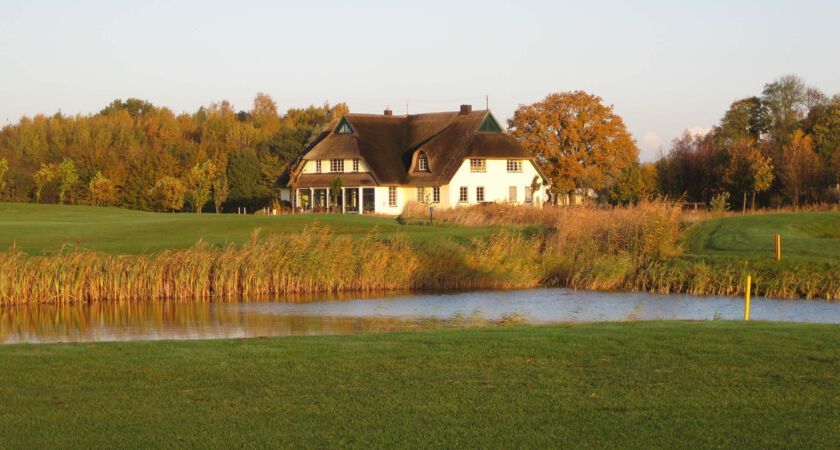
581 248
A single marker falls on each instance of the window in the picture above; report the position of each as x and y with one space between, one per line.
514 165
336 165
392 196
318 166
436 195
422 163
355 164
529 196
343 127
463 195
421 195
478 165
512 194
479 194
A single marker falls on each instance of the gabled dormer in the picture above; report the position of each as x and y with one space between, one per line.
489 125
343 127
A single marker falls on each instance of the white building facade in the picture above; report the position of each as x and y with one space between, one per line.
379 164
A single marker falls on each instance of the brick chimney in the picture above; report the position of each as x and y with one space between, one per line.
465 109
388 112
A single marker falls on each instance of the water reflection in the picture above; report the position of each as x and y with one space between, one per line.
315 315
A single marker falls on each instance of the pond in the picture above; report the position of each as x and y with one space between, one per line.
120 321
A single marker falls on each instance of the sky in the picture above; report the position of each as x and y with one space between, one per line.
665 66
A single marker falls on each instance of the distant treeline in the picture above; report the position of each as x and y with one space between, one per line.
780 148
136 155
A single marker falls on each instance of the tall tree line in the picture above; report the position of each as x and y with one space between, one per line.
779 148
137 155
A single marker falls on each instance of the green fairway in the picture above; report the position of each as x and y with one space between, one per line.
46 228
808 238
637 385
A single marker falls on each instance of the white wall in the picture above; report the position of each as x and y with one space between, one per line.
496 181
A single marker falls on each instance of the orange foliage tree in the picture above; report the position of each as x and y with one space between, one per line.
578 141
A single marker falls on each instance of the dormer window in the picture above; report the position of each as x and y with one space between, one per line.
343 127
423 163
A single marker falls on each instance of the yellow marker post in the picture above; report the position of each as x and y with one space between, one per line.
778 247
747 299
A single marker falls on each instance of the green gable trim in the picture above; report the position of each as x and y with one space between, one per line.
489 125
344 127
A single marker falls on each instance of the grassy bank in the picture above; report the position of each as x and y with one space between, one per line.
46 229
635 385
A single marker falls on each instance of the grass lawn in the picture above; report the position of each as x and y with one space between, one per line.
41 229
808 238
639 385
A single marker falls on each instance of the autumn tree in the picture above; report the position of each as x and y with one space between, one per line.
748 170
68 178
103 191
168 194
649 181
576 139
4 167
199 184
798 167
46 174
221 190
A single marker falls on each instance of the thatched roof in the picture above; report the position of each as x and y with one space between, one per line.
390 145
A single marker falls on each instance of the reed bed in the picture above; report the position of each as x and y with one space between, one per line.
581 248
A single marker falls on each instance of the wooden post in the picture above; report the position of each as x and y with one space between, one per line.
343 201
360 201
747 299
778 247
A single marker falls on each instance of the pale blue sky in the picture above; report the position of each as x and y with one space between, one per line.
665 66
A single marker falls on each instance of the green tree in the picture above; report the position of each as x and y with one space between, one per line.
168 194
627 186
244 176
746 118
786 101
103 191
577 140
649 181
335 189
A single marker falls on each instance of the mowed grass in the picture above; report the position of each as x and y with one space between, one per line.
808 239
39 229
630 385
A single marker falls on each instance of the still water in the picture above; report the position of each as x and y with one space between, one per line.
118 321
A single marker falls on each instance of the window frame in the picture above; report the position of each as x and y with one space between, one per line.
479 194
514 166
318 166
514 190
336 163
478 165
356 165
392 196
529 195
436 194
463 194
423 163
421 194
